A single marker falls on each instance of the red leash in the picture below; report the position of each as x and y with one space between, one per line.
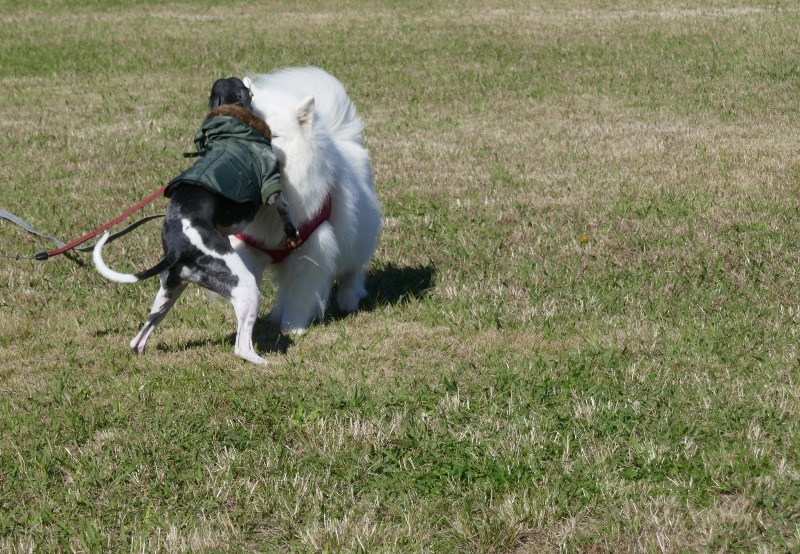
41 256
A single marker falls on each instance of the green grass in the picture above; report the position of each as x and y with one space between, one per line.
582 329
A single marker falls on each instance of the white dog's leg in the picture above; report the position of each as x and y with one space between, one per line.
305 281
276 314
164 301
351 291
299 301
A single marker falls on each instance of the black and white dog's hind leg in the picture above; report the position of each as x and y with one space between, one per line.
171 289
195 252
221 272
219 268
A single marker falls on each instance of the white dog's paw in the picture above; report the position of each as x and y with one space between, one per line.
294 330
287 324
348 300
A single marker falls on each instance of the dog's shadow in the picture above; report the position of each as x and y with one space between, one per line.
387 285
392 285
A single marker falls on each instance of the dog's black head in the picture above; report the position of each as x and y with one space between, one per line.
229 91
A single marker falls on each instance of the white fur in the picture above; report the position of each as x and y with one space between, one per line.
317 138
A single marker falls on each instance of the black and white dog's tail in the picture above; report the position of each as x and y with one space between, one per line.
166 262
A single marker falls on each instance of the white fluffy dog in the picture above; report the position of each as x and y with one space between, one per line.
325 171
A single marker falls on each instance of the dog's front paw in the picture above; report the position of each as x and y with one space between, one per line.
292 236
293 331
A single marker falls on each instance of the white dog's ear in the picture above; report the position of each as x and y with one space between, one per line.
305 113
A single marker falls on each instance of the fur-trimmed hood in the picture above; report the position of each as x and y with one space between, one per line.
245 116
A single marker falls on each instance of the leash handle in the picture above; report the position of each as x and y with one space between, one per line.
41 256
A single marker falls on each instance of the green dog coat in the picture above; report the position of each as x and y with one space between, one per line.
235 157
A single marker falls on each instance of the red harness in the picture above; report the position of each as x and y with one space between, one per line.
306 231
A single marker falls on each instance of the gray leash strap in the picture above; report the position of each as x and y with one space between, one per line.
14 219
17 221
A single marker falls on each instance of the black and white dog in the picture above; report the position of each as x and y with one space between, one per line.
230 91
197 248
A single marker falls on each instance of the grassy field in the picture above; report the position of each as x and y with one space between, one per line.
584 313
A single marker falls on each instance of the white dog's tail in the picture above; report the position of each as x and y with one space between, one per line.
330 97
117 277
345 123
